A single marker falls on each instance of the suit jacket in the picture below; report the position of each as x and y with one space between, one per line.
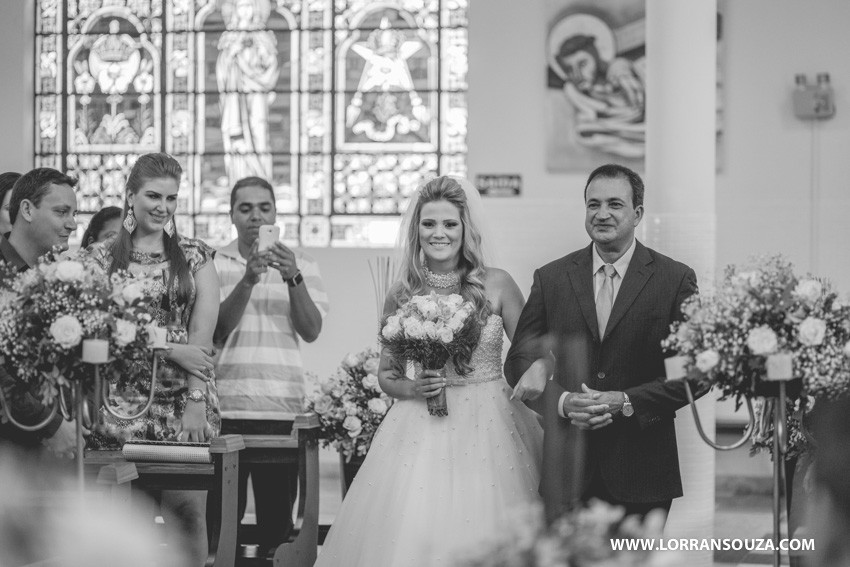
635 456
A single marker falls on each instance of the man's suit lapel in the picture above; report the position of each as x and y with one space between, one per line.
581 278
639 272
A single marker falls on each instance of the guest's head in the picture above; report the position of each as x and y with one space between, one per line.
42 209
104 225
151 199
252 204
613 200
7 181
829 508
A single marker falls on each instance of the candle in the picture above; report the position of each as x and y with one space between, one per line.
95 351
156 337
675 367
779 367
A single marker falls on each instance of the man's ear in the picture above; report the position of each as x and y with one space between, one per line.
26 210
638 214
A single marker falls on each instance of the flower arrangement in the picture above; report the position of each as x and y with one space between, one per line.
47 312
430 330
582 538
763 310
350 404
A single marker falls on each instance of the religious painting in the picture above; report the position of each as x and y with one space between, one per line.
596 84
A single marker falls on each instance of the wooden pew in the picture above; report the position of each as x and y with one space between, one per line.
219 478
301 447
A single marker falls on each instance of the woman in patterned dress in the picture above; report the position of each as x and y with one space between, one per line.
185 406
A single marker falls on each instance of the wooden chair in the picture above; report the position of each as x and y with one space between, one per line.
302 447
219 478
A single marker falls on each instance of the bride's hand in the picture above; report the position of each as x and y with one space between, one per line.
428 384
533 382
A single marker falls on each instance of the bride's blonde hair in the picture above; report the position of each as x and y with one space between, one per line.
471 267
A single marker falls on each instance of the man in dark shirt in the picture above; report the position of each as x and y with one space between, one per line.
42 210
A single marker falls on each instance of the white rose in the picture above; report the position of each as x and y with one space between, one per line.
429 309
370 382
70 271
414 329
446 335
707 359
370 366
809 290
454 300
132 292
455 324
125 332
377 406
762 340
350 408
353 425
812 331
430 329
327 387
390 331
323 405
351 360
66 331
393 320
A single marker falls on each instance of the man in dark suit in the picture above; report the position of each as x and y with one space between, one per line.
599 315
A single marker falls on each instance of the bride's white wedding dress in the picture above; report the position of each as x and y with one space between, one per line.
431 487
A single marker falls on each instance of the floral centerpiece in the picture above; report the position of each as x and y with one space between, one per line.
430 330
350 404
48 311
584 538
759 311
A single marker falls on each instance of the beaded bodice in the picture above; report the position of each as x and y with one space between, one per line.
486 359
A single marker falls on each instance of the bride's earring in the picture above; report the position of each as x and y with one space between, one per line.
169 227
130 221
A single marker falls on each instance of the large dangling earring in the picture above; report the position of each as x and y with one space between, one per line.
130 221
169 227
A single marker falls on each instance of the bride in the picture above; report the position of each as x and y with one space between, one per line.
432 486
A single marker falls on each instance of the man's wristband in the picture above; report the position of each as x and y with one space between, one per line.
295 280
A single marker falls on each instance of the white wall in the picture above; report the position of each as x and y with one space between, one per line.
763 189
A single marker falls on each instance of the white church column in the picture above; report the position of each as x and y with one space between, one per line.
680 205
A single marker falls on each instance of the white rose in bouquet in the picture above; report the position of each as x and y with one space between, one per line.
454 300
125 332
707 359
446 335
327 386
377 406
370 382
812 331
762 340
66 331
350 408
132 292
323 405
353 425
808 290
455 323
370 366
430 329
351 360
429 308
69 271
389 331
414 329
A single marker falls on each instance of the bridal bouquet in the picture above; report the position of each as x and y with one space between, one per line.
583 538
430 330
48 311
350 404
762 310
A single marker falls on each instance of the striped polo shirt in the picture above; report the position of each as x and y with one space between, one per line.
259 373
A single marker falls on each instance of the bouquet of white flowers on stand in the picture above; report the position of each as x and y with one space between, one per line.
430 330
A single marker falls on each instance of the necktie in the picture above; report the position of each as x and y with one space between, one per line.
605 298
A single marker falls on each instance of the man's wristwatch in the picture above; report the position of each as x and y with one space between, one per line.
295 280
197 395
628 410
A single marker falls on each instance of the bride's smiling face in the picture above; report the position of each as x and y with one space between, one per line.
440 233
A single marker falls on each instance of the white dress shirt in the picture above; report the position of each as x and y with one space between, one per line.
621 265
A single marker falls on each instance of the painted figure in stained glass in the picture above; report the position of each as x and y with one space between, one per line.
386 103
246 71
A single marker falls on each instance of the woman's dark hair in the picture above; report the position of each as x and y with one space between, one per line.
96 224
7 181
147 168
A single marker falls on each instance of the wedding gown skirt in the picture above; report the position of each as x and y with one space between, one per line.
432 487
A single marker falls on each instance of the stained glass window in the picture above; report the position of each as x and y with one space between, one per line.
344 105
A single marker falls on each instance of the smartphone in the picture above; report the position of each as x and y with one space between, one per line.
269 234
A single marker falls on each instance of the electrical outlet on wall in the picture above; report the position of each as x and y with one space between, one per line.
814 101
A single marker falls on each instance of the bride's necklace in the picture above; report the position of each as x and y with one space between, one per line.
441 281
